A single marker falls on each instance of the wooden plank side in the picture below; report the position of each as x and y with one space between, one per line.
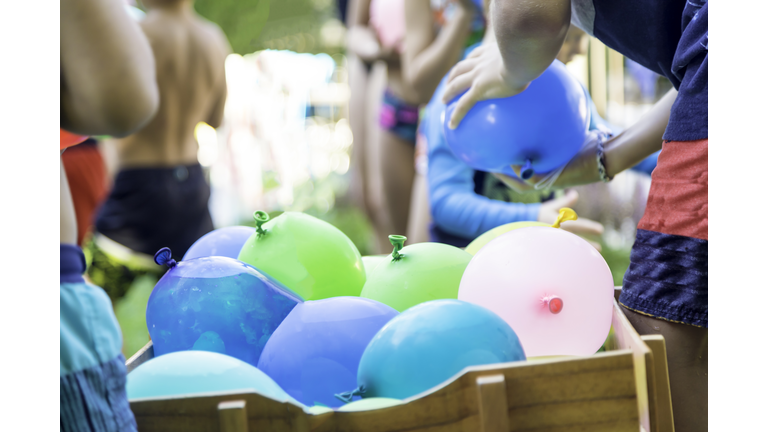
583 414
200 413
233 416
627 338
145 353
664 418
492 403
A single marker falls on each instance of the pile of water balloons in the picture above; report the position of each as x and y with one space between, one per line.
291 310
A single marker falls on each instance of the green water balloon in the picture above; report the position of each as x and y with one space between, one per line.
416 274
310 256
486 237
371 262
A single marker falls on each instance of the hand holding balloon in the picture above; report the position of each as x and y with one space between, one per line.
484 74
581 170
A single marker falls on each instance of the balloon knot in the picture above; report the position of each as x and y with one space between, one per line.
163 257
554 303
566 214
526 171
346 397
261 218
397 241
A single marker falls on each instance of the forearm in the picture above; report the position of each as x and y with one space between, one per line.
108 70
530 33
640 140
469 215
424 67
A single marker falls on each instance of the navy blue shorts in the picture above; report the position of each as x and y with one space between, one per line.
152 208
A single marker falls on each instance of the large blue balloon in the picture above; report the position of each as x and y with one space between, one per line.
216 304
315 352
430 343
225 242
541 128
189 372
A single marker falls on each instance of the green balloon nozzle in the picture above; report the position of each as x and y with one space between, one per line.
261 218
397 241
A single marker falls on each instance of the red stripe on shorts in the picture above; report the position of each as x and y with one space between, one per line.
678 199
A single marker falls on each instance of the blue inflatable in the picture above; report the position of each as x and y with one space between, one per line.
225 242
215 304
430 343
315 352
541 128
189 372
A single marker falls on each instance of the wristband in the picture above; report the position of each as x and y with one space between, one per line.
601 160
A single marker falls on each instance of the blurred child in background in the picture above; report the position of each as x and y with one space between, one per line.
160 195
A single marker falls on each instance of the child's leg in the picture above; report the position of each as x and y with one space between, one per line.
687 359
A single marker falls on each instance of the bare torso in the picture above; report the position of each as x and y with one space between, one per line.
189 58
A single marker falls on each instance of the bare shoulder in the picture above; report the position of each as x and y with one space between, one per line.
215 34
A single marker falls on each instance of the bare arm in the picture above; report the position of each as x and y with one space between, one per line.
428 58
640 140
622 152
529 34
216 116
107 70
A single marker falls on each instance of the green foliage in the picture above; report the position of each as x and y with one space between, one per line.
241 20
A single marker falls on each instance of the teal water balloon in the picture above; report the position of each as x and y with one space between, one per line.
430 343
191 372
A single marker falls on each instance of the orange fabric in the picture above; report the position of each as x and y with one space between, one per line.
68 139
678 202
87 177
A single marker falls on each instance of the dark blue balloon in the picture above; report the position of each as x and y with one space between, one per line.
216 304
430 343
315 352
225 242
541 128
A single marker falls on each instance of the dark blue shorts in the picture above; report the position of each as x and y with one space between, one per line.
152 208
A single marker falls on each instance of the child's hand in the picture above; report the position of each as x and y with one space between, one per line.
483 72
588 229
582 169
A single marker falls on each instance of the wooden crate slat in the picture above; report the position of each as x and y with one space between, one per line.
582 413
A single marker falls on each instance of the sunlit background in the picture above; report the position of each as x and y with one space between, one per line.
285 142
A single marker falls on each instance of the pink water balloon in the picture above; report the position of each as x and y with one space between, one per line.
552 287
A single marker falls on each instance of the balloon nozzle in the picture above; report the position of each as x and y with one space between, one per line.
397 241
566 214
526 171
163 257
554 303
261 218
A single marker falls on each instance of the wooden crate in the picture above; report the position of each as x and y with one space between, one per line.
625 388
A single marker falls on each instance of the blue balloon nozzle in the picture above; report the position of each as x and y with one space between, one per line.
527 170
163 257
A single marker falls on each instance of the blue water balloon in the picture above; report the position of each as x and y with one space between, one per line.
190 372
215 304
541 128
225 242
315 352
430 343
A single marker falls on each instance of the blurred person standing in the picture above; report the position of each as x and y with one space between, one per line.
160 194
